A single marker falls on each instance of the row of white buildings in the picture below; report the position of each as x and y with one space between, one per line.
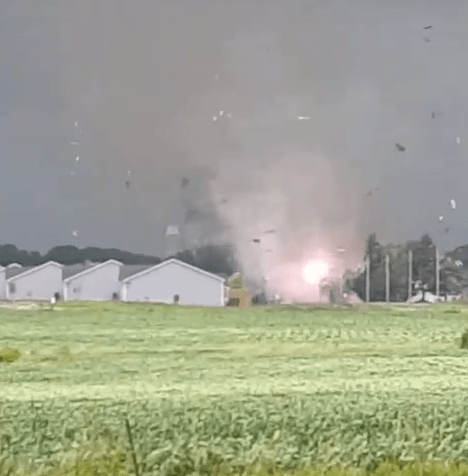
170 281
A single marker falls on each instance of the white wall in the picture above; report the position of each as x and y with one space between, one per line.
2 284
97 284
39 284
162 284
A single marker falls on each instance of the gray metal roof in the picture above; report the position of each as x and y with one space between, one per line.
129 269
10 272
71 270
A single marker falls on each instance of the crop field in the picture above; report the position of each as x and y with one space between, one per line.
288 385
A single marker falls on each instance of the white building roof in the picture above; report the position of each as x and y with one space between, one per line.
169 262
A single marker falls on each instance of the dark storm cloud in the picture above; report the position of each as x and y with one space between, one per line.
144 80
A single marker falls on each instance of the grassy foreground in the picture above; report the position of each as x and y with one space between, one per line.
226 391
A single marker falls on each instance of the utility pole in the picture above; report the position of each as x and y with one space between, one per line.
367 278
410 274
387 278
437 270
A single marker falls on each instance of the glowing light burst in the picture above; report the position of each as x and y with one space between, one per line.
314 271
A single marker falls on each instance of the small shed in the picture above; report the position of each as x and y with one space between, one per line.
92 282
173 281
33 282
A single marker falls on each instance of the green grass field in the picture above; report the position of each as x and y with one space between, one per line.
289 385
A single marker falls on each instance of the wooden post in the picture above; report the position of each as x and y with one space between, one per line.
387 278
367 279
410 274
437 271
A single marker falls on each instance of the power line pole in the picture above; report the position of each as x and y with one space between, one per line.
410 274
387 278
367 278
437 270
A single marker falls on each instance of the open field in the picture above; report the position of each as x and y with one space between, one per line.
292 384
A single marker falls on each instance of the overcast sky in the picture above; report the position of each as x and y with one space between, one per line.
144 80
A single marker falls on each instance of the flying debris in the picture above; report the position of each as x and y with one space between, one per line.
221 113
269 232
128 172
441 218
427 27
229 114
303 118
223 201
458 140
433 115
447 230
340 250
74 142
369 193
77 158
76 123
269 251
427 40
215 118
74 233
458 263
400 147
127 183
256 240
377 189
453 204
184 183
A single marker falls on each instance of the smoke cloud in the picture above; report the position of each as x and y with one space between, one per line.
145 81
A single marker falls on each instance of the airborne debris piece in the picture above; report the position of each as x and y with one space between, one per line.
269 232
369 193
427 27
77 158
256 240
229 114
221 113
172 230
400 147
74 142
458 263
433 115
185 182
223 201
427 40
74 233
128 172
303 118
453 204
447 230
127 183
340 250
458 140
215 118
441 218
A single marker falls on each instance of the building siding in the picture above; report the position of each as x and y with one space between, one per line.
40 284
161 285
2 285
95 285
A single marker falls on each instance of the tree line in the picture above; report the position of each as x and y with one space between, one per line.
453 279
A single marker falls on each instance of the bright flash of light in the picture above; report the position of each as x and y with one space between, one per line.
314 271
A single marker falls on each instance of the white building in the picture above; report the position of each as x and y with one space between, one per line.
34 282
171 281
93 282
